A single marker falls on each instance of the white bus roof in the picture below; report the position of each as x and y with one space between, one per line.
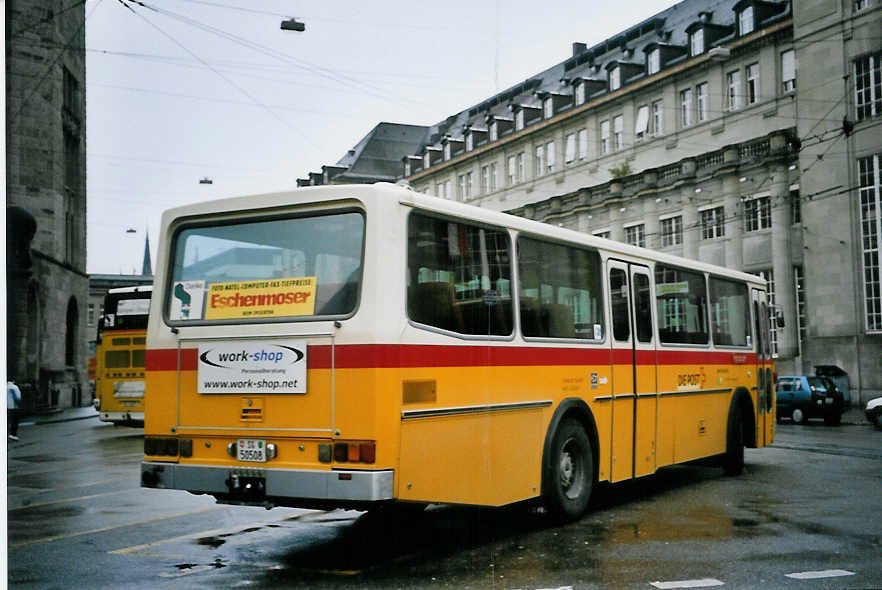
405 195
134 289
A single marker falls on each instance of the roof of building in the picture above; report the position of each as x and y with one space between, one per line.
377 157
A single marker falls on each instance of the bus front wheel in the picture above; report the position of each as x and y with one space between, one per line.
569 475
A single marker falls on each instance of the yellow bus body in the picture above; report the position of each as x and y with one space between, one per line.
453 419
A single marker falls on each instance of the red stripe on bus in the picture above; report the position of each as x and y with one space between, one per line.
378 356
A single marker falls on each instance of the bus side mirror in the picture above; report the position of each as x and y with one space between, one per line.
779 319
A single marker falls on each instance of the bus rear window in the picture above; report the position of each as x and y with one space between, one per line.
283 268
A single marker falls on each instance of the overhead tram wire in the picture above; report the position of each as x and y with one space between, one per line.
219 74
283 57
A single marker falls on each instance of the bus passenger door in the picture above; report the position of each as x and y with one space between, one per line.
646 387
623 392
763 388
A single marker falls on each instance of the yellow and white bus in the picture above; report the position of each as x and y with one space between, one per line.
352 346
119 356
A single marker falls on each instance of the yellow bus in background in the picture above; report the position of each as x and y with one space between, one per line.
119 356
356 346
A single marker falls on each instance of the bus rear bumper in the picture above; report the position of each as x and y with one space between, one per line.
259 485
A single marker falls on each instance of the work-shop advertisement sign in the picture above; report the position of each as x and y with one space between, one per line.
252 367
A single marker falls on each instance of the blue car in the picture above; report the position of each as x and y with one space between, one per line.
800 397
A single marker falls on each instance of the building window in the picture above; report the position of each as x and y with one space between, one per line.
733 90
494 131
464 184
70 94
686 107
604 137
712 223
548 108
549 156
519 120
583 144
757 214
615 78
539 161
512 170
494 182
696 43
618 129
521 174
653 61
658 118
795 207
485 180
861 4
799 287
868 86
636 235
745 21
671 231
570 148
870 194
788 70
90 314
702 97
601 234
580 93
752 83
641 128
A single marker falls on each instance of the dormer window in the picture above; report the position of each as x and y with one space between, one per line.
653 61
696 42
745 21
548 108
615 78
519 119
494 131
580 93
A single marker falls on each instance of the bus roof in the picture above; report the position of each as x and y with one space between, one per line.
134 289
383 191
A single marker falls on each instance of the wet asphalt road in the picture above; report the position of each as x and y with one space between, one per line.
809 506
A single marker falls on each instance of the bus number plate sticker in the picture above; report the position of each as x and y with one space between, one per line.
252 367
251 449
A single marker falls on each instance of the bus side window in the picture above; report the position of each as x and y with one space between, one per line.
559 291
730 311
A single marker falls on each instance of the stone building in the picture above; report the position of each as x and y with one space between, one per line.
47 286
742 133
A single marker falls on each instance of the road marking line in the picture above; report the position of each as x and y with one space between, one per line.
820 574
702 583
66 500
108 528
197 535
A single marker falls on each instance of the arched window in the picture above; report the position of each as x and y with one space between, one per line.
72 333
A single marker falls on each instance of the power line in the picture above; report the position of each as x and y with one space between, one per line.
220 74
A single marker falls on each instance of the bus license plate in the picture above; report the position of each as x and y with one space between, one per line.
250 449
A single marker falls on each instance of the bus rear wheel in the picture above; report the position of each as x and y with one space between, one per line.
569 475
733 460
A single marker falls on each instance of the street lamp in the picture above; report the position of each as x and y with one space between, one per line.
206 180
292 24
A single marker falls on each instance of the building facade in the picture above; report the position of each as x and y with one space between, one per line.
47 285
742 133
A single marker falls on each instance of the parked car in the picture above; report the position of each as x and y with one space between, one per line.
800 397
873 411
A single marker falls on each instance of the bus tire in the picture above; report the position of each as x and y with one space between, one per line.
733 459
569 475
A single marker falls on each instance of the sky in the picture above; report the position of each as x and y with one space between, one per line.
182 90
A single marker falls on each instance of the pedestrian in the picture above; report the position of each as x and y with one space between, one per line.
13 401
